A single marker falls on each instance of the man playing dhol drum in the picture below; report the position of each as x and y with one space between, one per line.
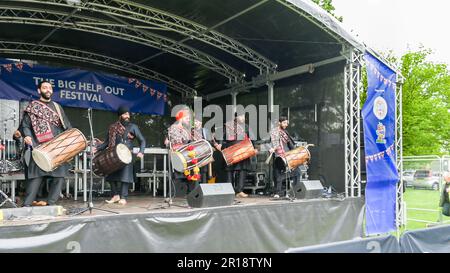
180 134
122 131
236 130
42 121
281 143
197 134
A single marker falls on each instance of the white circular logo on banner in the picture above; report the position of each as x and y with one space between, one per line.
380 108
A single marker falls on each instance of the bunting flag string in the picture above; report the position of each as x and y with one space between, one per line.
380 155
19 66
8 67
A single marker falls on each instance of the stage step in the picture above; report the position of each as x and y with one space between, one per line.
13 213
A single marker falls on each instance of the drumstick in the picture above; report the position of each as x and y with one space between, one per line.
210 169
269 158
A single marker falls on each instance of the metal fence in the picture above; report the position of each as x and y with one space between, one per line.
423 185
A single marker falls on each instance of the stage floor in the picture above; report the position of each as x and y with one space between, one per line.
138 203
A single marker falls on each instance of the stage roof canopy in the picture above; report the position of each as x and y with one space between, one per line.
195 46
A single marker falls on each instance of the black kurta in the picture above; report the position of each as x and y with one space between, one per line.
125 174
33 171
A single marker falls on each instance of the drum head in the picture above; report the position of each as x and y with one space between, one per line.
42 160
178 162
123 153
280 163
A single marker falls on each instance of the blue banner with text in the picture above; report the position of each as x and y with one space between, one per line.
81 88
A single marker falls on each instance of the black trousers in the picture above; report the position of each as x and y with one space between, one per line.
184 184
280 176
32 189
239 181
204 174
120 188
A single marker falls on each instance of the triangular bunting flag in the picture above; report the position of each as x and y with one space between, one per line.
19 66
8 67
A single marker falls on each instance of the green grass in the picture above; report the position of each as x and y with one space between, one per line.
422 199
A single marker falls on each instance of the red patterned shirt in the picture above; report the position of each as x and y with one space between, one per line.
179 135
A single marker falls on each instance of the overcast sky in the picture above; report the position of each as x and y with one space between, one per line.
399 24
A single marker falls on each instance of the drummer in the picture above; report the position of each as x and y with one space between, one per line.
236 131
180 134
281 143
42 121
122 131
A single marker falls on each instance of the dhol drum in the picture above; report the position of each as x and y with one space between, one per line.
61 149
112 159
195 154
238 152
294 158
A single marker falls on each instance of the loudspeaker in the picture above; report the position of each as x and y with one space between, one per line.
308 189
211 195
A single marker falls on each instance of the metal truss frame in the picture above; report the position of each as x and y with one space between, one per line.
57 19
400 208
145 17
33 49
192 30
352 115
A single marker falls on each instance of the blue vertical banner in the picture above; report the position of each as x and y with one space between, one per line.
379 141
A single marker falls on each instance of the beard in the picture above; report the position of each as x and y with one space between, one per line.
46 95
186 125
124 120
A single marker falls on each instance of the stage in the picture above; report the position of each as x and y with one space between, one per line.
148 224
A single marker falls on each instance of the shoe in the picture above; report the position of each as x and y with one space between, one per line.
41 204
242 195
122 202
115 199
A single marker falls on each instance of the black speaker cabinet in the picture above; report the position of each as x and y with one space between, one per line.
308 189
211 195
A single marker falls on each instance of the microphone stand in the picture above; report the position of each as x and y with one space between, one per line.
90 206
169 170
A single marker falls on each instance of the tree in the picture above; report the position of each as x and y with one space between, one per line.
328 6
425 103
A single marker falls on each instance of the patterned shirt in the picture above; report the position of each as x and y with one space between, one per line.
280 140
235 131
178 136
197 134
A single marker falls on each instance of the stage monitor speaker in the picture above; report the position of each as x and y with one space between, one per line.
308 189
211 195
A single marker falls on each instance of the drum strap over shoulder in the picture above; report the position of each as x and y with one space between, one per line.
115 129
42 116
58 110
